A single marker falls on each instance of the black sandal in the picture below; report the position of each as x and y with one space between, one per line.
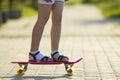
44 59
61 58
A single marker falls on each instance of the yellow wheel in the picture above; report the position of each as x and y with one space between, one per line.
20 71
70 70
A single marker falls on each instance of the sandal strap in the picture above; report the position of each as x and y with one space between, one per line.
34 55
60 58
45 58
54 53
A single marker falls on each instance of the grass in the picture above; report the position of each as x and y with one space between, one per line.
28 12
110 9
72 2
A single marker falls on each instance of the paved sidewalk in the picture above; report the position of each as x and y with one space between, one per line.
84 34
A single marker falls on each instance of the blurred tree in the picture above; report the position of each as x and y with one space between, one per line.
14 8
0 5
3 11
0 12
10 4
34 4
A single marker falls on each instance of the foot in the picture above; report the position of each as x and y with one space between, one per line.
36 56
56 56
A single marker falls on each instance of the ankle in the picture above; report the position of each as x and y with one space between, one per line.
36 55
55 54
55 51
34 52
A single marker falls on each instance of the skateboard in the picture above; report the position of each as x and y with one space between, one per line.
68 66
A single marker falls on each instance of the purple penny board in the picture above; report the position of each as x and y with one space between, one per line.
48 63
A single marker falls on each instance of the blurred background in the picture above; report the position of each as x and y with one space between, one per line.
14 9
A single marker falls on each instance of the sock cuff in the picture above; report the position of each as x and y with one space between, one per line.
33 52
55 51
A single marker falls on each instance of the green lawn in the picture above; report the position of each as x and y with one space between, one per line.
109 8
28 12
72 2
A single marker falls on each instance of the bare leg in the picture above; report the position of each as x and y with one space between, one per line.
43 16
57 10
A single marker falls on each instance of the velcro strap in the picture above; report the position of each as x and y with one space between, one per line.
61 57
45 58
54 53
34 55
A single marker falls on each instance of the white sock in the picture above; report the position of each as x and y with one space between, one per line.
56 55
55 51
38 56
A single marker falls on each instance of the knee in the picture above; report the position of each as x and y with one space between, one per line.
57 18
43 18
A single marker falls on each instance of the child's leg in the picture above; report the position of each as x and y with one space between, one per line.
43 16
57 10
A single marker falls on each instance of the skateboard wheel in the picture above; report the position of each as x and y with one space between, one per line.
70 71
20 72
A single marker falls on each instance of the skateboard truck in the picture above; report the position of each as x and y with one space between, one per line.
22 69
69 69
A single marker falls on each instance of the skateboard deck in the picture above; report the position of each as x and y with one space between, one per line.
68 66
48 63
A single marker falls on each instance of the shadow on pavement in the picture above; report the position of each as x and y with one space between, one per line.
42 77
